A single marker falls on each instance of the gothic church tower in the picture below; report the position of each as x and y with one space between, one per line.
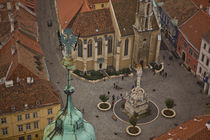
146 30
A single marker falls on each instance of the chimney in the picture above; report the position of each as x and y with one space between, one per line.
9 83
208 125
26 106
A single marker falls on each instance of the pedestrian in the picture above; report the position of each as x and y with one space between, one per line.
108 92
114 85
121 96
122 77
113 97
132 86
166 74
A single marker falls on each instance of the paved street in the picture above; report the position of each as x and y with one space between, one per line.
179 85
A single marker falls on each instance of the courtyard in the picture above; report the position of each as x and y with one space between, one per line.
180 85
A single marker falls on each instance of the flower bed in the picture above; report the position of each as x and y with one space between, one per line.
168 113
104 106
133 131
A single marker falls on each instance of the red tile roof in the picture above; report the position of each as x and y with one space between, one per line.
38 94
26 21
194 129
28 42
195 27
31 4
97 1
204 3
206 36
180 9
67 9
125 11
93 23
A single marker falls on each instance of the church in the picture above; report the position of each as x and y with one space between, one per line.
114 34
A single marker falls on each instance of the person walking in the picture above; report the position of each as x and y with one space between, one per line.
108 92
114 85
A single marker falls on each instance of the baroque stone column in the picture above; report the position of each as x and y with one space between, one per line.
96 56
158 48
105 54
85 57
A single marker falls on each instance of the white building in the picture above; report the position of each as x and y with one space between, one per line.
203 67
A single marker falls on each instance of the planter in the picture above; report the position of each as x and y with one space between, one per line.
168 113
136 130
104 106
157 71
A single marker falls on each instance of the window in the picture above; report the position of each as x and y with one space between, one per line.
50 120
102 5
126 47
110 45
35 115
4 131
27 116
36 125
190 51
148 6
19 117
3 120
80 48
188 60
204 46
200 70
20 128
28 126
207 62
185 44
146 23
99 46
50 111
36 135
29 137
22 138
209 50
89 48
202 58
195 67
195 56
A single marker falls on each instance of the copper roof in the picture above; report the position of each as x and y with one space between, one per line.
38 94
194 129
179 9
195 27
125 13
206 36
67 9
93 23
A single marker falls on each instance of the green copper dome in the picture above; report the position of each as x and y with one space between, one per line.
69 123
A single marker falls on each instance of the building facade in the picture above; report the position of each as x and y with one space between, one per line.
27 113
108 36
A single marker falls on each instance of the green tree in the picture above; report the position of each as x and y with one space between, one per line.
103 98
133 121
169 103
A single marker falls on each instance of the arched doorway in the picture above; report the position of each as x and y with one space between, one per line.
183 56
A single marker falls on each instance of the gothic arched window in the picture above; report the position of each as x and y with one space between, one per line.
110 44
80 48
89 51
126 47
148 6
99 46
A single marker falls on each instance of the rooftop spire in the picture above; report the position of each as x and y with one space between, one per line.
69 124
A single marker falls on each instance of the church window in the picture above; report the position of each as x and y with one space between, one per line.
146 23
89 53
148 6
99 46
80 48
126 47
110 45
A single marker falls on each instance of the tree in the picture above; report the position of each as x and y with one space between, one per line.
169 103
103 98
133 121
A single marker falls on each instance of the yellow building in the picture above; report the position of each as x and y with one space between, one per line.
26 108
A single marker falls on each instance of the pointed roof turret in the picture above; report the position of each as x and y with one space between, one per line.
69 123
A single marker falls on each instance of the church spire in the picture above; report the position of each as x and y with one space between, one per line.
69 124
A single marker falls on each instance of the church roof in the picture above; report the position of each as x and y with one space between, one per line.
93 23
125 11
